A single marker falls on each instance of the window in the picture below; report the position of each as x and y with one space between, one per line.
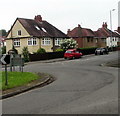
37 27
32 41
57 41
91 39
88 39
16 42
46 41
19 32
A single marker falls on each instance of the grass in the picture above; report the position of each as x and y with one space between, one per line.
16 79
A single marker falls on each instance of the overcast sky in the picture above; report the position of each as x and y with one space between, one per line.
63 14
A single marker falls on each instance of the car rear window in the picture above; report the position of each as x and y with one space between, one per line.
68 52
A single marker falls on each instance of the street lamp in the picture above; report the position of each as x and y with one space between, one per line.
111 25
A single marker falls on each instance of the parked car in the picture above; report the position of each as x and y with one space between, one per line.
72 53
101 51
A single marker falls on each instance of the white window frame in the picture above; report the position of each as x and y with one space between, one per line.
46 41
16 42
32 41
57 41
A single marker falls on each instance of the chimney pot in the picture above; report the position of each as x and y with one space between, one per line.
38 18
79 25
68 31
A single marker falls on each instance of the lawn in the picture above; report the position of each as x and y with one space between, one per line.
16 79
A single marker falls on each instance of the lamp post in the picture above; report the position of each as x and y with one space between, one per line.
111 26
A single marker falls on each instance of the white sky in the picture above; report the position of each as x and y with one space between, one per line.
63 14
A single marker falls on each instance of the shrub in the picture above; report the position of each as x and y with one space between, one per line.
68 44
25 54
4 50
41 50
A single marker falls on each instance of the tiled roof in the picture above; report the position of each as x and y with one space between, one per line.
41 28
105 32
80 32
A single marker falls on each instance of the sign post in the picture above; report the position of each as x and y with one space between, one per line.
6 75
5 59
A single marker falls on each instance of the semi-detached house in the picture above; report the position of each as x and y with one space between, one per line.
34 33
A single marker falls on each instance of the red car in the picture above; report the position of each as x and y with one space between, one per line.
72 53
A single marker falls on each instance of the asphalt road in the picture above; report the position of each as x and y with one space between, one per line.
82 86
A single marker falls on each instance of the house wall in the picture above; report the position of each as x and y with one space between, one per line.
48 48
112 41
31 48
83 42
80 42
8 45
14 31
101 42
91 43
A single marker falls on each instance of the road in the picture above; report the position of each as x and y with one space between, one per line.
82 86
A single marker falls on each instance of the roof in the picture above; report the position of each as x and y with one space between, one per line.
40 28
80 32
105 32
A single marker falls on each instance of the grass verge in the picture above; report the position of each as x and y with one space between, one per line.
16 79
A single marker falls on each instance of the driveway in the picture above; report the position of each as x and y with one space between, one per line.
82 86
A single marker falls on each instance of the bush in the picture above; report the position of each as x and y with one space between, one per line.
4 50
41 50
86 51
25 54
68 44
59 50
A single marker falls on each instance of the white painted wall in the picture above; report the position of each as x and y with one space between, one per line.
112 41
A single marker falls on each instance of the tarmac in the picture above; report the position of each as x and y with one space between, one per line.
44 80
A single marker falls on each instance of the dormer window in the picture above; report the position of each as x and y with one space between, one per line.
19 32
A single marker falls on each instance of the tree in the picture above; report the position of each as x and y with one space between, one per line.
68 44
25 54
3 32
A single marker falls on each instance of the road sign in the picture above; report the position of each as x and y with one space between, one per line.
5 59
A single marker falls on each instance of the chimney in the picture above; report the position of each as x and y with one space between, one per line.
79 25
104 25
68 31
118 30
38 18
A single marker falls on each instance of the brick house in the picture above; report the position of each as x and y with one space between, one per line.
107 36
85 37
34 33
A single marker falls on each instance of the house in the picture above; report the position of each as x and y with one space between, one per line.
118 31
2 41
111 37
34 33
101 39
85 37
